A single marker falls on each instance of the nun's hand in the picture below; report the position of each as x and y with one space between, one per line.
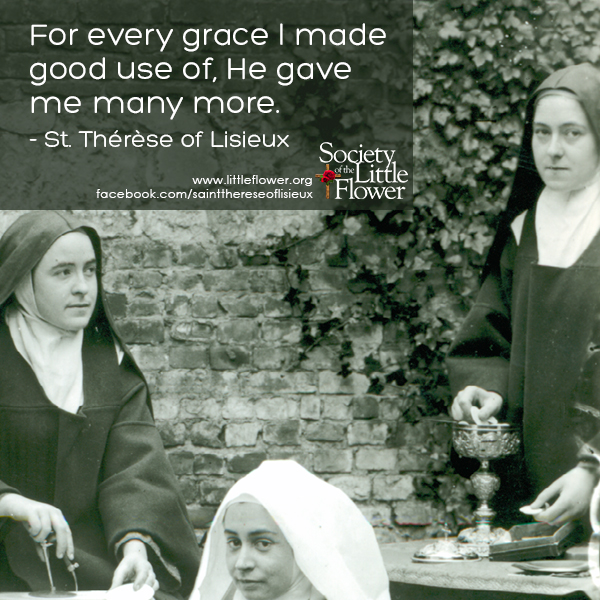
134 567
570 496
40 520
488 403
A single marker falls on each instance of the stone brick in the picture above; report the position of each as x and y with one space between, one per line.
191 330
184 280
149 358
182 462
189 489
142 331
172 434
239 331
244 463
145 309
182 382
188 357
282 434
272 382
204 307
192 255
410 459
393 487
380 459
390 409
128 11
146 279
117 304
226 358
274 359
200 408
206 433
239 408
268 280
226 281
276 308
157 256
327 279
367 432
276 409
325 431
246 306
329 460
165 409
223 258
337 408
212 491
377 514
241 434
253 260
330 383
417 512
358 487
286 331
210 464
310 408
365 407
323 358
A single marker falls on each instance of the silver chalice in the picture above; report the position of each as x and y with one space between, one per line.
484 442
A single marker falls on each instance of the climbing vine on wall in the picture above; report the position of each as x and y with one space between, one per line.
475 64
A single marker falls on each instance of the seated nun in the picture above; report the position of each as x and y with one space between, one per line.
282 533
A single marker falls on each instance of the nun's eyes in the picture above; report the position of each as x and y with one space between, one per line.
90 270
263 544
233 543
64 272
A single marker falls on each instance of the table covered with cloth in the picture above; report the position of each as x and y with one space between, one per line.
483 579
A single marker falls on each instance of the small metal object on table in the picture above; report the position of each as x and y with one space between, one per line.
484 442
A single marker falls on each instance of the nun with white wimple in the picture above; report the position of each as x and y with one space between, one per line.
282 533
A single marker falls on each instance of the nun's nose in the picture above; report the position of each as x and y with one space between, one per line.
245 561
555 147
81 285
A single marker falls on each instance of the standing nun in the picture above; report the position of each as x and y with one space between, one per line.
529 349
81 461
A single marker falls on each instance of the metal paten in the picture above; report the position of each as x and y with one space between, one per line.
484 442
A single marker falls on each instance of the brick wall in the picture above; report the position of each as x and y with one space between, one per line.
199 299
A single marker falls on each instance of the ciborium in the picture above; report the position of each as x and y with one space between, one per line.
484 442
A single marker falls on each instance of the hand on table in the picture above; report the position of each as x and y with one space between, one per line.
489 404
40 520
134 567
570 495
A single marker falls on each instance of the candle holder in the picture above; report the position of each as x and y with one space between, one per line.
484 442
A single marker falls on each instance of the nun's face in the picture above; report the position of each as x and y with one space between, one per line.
259 558
564 147
64 282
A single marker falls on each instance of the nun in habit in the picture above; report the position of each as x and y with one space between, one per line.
81 461
282 533
529 350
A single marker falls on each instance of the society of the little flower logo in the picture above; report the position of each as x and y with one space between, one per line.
374 174
327 176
